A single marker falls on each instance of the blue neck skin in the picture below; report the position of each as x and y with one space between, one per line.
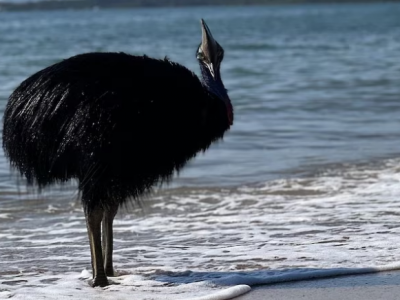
213 85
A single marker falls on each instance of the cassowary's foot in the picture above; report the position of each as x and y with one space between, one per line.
99 281
94 283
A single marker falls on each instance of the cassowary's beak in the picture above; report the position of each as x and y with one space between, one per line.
207 41
209 47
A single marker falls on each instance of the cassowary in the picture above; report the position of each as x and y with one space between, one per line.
117 123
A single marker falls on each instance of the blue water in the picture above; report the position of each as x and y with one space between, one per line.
311 85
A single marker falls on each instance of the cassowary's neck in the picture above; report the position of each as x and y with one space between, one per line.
214 86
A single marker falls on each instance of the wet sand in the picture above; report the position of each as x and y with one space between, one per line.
384 285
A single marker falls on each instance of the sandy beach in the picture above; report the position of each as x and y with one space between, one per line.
385 285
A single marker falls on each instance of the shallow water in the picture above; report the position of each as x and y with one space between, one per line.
308 177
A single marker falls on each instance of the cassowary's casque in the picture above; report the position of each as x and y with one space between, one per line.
117 123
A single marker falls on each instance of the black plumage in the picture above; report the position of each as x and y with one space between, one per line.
119 124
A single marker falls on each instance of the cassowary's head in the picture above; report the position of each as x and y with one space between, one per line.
210 55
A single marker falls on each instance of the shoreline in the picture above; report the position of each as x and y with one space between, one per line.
381 285
101 4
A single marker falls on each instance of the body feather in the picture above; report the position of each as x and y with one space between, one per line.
116 122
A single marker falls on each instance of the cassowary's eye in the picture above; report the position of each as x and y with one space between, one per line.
200 55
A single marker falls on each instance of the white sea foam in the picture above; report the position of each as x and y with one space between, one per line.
48 286
214 243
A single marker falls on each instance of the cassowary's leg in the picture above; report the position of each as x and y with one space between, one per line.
107 238
93 222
